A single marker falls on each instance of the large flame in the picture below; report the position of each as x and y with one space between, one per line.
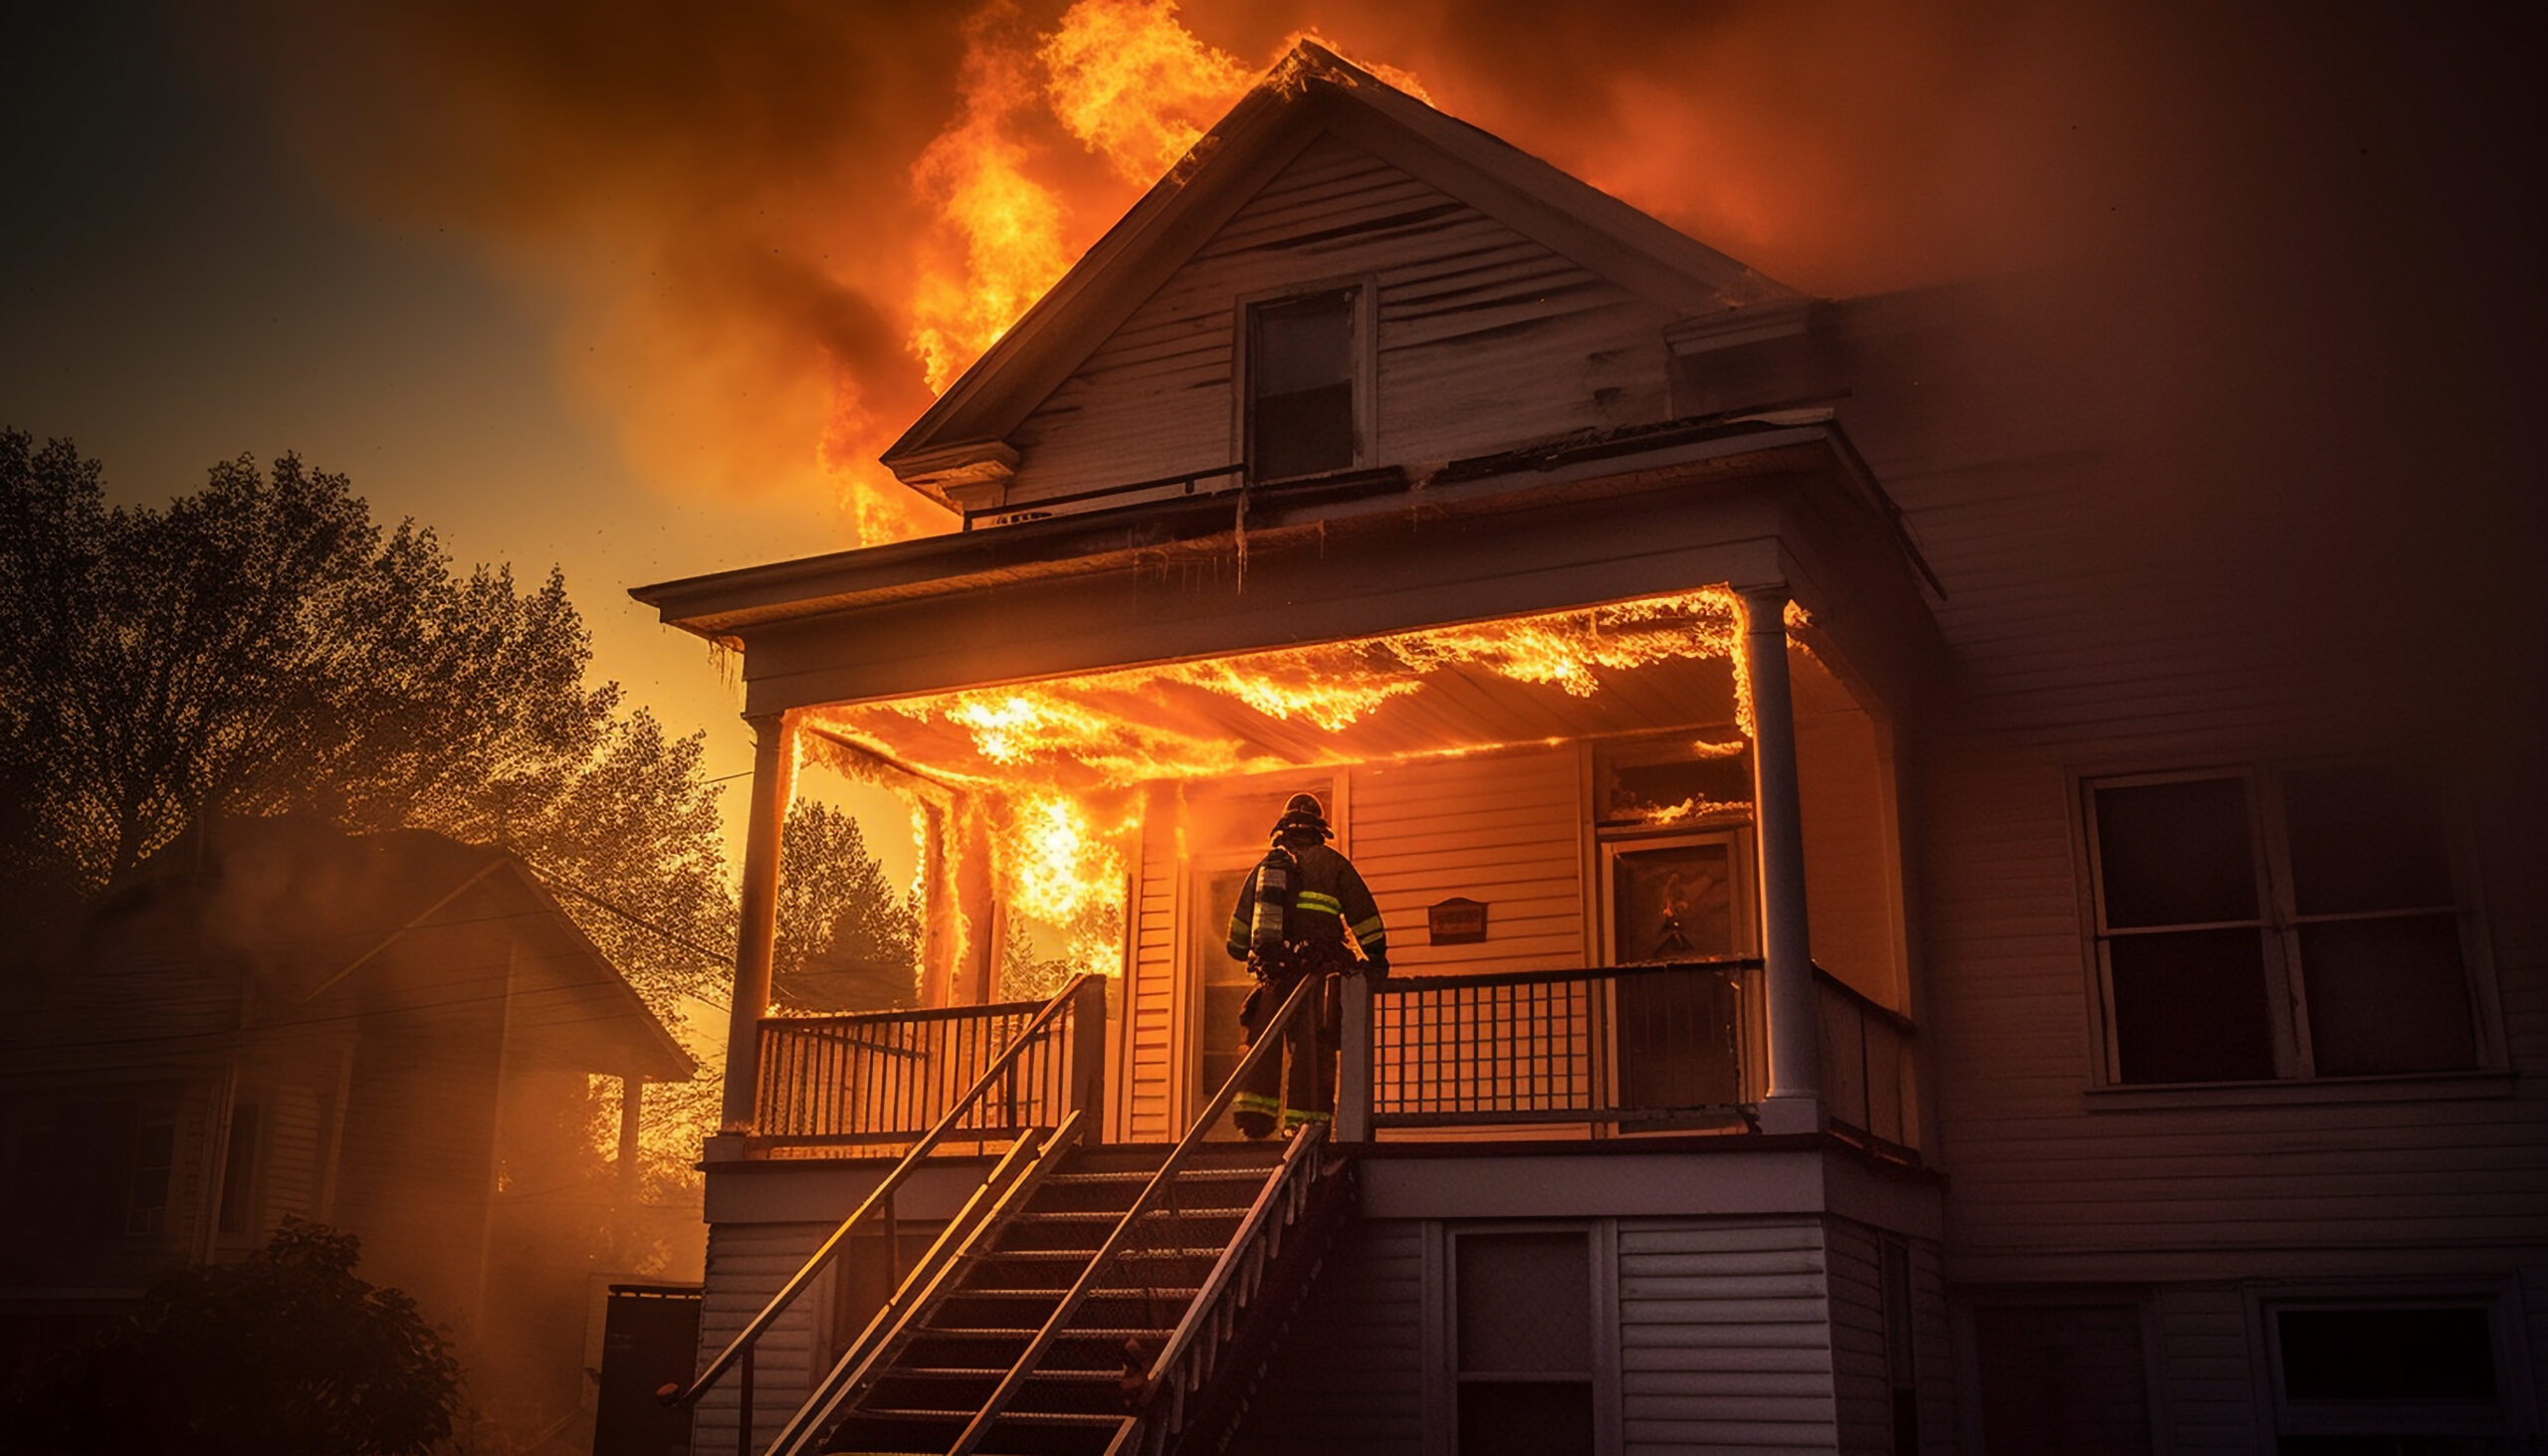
1129 80
1037 774
1156 723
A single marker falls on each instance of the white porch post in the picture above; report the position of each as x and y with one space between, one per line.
773 787
1793 1104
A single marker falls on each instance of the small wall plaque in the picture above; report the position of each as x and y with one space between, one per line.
1457 920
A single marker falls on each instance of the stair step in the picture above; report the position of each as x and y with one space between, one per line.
986 1372
1110 1220
1135 1179
1075 1333
1021 1417
1047 1256
1113 1294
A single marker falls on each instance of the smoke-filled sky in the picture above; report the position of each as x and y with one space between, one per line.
641 287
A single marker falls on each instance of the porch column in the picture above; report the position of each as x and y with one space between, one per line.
1793 1104
632 1109
773 787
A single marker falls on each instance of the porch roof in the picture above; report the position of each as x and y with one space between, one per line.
1748 499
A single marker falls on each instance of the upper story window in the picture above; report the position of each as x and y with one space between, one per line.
1303 361
2299 923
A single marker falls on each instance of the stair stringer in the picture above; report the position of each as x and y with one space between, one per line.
1210 1414
839 1393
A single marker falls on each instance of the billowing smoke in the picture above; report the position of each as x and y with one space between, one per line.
770 233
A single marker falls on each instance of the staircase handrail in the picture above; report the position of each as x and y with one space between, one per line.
1269 1039
1018 1170
1286 1188
740 1346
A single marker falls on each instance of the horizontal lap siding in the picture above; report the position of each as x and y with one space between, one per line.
747 1263
1861 1371
1150 1001
1486 337
1505 829
1349 1376
292 1174
1725 1336
2206 1385
2044 1173
2076 661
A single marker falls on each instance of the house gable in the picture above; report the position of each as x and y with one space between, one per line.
1486 337
1324 175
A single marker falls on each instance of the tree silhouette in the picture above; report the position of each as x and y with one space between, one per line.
848 940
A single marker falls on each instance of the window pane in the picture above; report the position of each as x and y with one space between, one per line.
1539 1419
1303 434
2387 995
1301 386
2064 1380
2387 1354
1304 344
1640 793
1525 1302
2191 1006
2175 854
2365 839
1675 903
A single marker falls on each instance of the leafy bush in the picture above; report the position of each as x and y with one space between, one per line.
284 1354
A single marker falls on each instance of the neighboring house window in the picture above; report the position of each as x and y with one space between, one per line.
1302 361
1523 1347
2356 1376
2256 923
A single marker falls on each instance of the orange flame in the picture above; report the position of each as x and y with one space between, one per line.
1133 85
1009 223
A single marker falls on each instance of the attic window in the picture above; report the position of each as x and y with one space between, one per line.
1300 385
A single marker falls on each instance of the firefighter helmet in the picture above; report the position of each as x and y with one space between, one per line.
1303 812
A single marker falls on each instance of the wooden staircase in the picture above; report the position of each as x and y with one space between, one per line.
1085 1301
1076 1396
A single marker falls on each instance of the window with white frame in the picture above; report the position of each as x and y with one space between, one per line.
2355 1378
2253 923
1524 1347
1302 367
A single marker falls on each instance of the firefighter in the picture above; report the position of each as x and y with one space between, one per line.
1304 913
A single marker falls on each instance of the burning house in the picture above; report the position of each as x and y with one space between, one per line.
1842 997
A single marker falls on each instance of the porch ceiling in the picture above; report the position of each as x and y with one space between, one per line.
1339 703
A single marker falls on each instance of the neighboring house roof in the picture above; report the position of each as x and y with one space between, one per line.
1310 94
316 920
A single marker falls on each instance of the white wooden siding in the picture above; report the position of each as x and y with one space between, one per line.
1503 828
1486 339
2206 1380
1861 1368
1349 1375
1725 1336
289 1184
1150 997
747 1263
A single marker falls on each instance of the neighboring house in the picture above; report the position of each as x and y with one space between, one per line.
391 1033
1853 993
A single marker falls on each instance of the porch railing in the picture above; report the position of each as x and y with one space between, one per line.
1630 1046
1081 1004
871 1083
1870 1068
